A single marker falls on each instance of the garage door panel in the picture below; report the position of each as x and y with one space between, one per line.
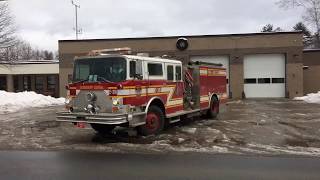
264 76
260 66
264 91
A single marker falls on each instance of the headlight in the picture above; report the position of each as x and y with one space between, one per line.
91 97
116 102
67 101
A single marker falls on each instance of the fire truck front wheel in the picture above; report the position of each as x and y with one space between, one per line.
154 122
102 128
214 108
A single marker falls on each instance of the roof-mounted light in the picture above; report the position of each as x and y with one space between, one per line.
121 51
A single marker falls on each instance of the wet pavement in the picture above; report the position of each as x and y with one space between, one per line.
84 165
267 127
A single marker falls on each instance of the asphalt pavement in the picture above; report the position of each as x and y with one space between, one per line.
85 165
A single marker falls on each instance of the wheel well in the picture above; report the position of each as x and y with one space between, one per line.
159 103
214 95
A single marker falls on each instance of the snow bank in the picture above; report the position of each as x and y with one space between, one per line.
12 102
310 98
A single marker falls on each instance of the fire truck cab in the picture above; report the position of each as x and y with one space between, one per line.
144 93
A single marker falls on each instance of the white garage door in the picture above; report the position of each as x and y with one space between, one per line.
264 76
224 60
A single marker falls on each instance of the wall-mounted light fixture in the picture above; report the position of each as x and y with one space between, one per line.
305 67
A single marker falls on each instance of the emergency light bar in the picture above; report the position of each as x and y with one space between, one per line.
121 51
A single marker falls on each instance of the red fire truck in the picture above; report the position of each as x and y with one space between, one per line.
144 93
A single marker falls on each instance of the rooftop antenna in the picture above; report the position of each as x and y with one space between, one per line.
77 30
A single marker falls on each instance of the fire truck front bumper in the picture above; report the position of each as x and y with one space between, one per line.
132 120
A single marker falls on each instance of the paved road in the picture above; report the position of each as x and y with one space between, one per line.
71 165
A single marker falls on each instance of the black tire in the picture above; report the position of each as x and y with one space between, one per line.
214 108
102 128
154 122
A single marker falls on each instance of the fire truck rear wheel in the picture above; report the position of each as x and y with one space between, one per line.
214 108
102 128
154 122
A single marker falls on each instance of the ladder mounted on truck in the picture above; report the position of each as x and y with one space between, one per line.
199 63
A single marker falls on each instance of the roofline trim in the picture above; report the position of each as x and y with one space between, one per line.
311 50
187 36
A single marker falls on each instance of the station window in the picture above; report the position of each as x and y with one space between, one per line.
278 80
26 83
155 69
264 81
170 73
3 83
51 82
178 73
16 84
39 83
250 81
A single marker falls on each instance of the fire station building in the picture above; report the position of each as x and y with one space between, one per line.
259 65
41 76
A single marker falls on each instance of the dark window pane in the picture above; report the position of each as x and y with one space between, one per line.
178 73
26 83
278 80
264 81
16 83
39 83
3 83
170 73
250 81
70 78
155 69
132 68
51 81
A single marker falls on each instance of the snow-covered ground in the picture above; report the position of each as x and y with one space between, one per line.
12 102
310 98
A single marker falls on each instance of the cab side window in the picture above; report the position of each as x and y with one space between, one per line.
170 76
155 69
178 73
132 69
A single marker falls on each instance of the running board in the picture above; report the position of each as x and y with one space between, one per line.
175 120
181 113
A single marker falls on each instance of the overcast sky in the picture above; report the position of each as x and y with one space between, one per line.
44 22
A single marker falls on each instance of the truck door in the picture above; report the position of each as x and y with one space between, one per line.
154 72
139 83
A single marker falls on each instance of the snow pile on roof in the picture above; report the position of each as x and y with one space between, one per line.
12 102
310 98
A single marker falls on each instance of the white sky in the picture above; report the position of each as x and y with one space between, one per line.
44 22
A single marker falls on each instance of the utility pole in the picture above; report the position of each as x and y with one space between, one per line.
77 30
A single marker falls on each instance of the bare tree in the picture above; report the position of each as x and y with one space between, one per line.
7 26
311 14
22 50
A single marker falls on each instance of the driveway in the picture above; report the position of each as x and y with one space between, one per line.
269 127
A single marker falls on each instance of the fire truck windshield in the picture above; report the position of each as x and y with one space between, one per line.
111 69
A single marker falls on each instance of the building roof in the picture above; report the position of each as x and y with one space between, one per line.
29 67
311 50
30 62
187 36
